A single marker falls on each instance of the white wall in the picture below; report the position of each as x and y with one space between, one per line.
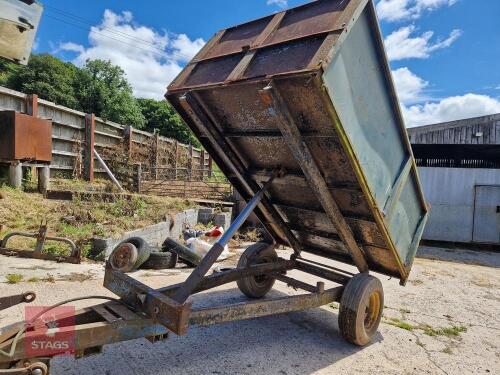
450 191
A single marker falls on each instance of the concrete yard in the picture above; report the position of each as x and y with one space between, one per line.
445 321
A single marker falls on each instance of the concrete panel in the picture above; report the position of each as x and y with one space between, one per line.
450 192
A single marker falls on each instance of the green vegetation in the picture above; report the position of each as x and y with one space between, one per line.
98 87
80 220
453 331
450 332
157 113
14 278
33 279
400 324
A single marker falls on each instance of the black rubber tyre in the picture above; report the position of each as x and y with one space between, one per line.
161 261
361 309
257 286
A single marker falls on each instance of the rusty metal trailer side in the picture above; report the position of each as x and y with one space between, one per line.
309 90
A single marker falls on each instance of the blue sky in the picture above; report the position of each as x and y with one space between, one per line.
444 53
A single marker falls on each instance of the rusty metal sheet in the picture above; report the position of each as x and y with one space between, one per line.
238 38
23 137
310 19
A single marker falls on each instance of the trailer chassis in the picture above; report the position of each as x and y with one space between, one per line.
153 313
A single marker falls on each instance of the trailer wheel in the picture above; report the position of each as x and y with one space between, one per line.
257 286
361 308
129 254
160 261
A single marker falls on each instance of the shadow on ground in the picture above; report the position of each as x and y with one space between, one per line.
479 258
296 343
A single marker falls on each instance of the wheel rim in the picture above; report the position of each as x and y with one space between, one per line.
372 311
123 256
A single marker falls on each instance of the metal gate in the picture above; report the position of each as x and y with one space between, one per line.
486 214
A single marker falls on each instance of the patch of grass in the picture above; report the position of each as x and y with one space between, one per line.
401 324
33 279
14 278
453 331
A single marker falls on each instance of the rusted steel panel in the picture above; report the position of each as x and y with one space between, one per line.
24 137
328 63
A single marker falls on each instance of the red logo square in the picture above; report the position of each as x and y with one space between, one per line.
51 333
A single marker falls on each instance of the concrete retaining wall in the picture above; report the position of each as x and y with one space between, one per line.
171 227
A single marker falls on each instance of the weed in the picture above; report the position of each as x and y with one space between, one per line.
453 331
334 306
400 324
33 279
14 278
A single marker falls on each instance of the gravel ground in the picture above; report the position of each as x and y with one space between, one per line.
445 321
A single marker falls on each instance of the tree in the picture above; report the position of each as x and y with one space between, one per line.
103 89
162 116
46 76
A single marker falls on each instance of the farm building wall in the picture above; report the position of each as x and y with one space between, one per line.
458 213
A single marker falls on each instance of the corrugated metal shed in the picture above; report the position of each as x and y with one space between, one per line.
483 130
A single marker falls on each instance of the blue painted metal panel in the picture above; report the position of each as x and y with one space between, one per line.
361 95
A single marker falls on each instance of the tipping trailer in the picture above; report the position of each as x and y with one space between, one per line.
299 111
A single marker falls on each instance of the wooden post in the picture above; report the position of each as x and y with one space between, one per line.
176 158
138 177
153 159
156 152
129 138
190 166
88 167
32 105
202 164
210 166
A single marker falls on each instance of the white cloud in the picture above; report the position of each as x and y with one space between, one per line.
409 86
418 108
450 109
280 3
150 59
397 10
402 45
72 47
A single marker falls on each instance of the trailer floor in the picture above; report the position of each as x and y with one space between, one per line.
445 321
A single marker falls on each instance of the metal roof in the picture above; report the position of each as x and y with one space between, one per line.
483 130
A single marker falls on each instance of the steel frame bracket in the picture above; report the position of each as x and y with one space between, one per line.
160 308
